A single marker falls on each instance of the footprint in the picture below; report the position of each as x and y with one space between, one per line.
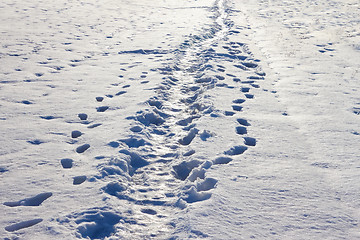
206 185
120 93
239 101
186 121
148 211
136 160
38 74
135 142
35 142
182 170
195 196
188 138
96 223
79 180
67 163
48 117
113 144
189 153
205 80
237 108
82 116
222 160
249 96
95 125
236 150
243 122
255 78
229 113
245 89
24 224
241 130
155 103
115 187
356 110
147 118
205 135
99 99
82 148
136 129
102 109
248 81
249 64
33 201
26 102
76 134
249 141
261 74
220 77
3 169
230 75
223 85
197 173
241 67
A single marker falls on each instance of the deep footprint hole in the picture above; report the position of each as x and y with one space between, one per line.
236 150
241 130
249 141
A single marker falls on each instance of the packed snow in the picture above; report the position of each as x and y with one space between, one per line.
180 119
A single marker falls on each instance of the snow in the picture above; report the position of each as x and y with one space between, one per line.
186 119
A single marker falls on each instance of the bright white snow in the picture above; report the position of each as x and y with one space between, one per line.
185 119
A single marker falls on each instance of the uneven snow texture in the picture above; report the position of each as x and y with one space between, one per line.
185 119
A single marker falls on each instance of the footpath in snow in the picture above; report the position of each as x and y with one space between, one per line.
179 120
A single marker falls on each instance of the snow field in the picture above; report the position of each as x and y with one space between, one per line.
204 120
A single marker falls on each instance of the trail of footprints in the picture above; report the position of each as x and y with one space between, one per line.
155 168
66 163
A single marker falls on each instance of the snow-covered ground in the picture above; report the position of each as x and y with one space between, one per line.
189 119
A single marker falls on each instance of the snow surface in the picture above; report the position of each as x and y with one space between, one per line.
185 119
